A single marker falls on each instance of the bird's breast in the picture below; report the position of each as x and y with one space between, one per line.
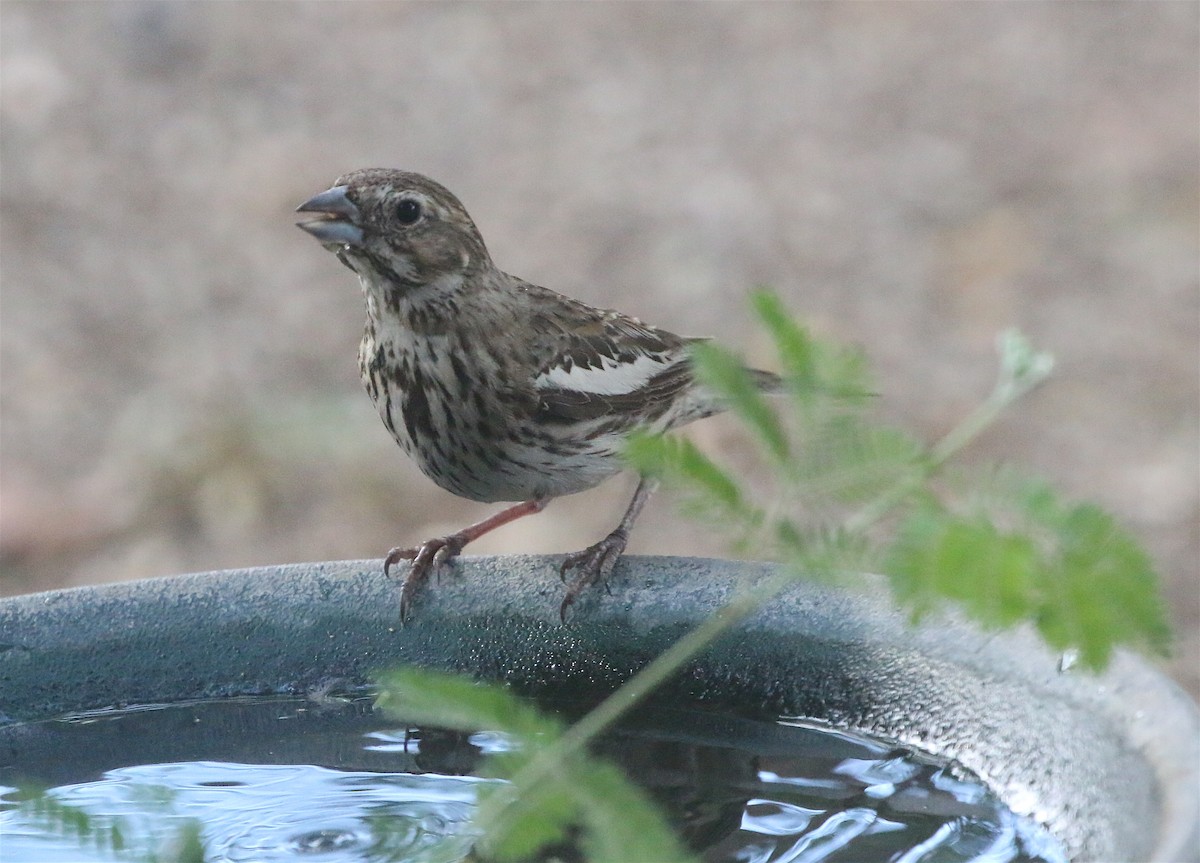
470 422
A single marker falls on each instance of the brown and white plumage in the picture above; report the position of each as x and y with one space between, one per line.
499 389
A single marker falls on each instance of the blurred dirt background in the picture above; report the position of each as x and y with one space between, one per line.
180 389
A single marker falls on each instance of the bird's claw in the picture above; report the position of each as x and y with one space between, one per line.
594 563
427 558
398 554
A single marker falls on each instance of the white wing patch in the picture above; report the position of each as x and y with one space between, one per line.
613 378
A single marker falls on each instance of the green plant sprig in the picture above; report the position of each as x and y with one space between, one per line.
552 782
118 837
1027 556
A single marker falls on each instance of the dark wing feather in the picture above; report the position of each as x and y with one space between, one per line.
643 405
594 364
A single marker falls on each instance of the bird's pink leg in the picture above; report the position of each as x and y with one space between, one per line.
596 562
430 555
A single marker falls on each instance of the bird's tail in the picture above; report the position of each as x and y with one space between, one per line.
767 382
700 402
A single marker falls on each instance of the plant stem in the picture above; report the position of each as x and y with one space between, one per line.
1002 396
968 429
663 666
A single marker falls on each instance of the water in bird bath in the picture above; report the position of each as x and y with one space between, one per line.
289 779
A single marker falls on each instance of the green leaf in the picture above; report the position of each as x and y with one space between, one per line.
728 377
850 461
812 368
653 455
621 817
461 704
189 844
120 837
792 341
1084 582
678 460
523 820
822 551
521 816
1105 590
938 556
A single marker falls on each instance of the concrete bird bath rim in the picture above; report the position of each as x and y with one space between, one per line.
1109 764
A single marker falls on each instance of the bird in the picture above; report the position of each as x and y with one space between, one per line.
499 389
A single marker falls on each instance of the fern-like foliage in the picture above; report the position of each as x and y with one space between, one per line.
118 838
851 492
555 791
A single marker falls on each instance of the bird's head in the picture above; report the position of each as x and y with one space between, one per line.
396 227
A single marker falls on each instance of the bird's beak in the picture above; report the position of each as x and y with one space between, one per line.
340 228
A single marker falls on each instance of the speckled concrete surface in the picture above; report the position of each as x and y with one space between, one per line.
1079 753
179 385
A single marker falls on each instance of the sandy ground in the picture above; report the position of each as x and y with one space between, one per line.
180 388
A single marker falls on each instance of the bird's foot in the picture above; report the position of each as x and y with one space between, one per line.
594 563
427 558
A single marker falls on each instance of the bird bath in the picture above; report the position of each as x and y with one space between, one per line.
1109 764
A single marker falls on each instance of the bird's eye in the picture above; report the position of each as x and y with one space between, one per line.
408 211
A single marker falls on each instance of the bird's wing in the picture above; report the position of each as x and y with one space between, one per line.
596 364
